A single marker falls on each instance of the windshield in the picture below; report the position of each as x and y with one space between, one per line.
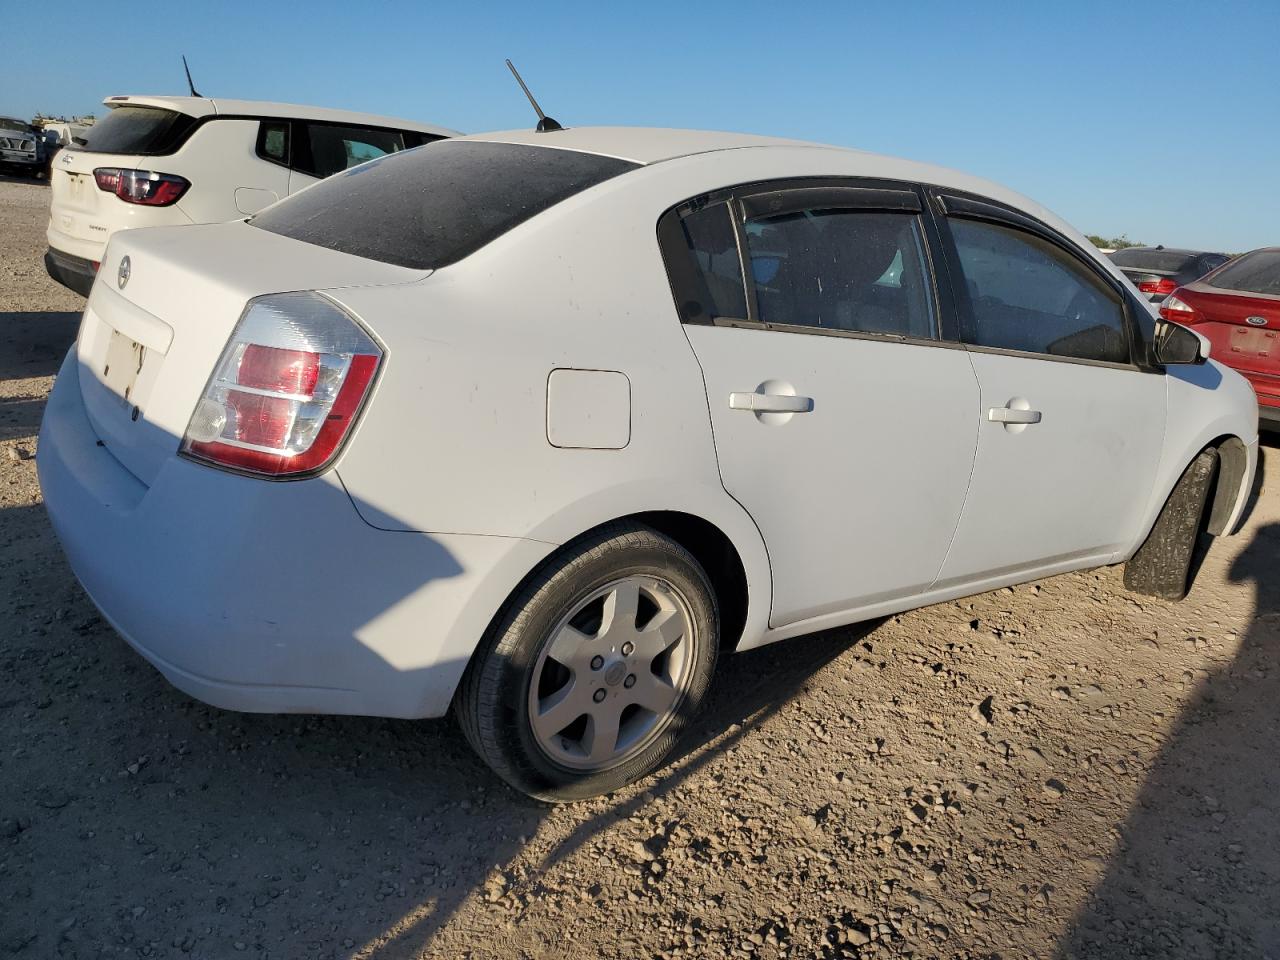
1257 272
431 206
8 123
1171 260
131 129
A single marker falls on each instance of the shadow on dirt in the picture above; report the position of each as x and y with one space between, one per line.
33 344
1193 875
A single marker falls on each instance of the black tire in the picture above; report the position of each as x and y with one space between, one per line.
492 702
1162 565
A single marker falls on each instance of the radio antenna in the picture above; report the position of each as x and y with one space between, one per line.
190 86
545 123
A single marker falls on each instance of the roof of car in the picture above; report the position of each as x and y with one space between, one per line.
643 145
209 106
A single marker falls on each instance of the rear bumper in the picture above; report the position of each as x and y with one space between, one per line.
269 597
74 273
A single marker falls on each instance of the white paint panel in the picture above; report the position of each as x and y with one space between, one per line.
1076 484
858 498
588 409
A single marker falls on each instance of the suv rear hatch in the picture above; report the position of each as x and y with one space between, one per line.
129 134
154 330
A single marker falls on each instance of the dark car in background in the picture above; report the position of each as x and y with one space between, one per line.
1158 271
1238 308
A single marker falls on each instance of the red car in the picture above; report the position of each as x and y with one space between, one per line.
1237 307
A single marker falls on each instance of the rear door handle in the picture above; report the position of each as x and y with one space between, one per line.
1012 415
770 403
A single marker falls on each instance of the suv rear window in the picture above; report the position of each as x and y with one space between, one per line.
1171 260
131 129
429 207
1257 272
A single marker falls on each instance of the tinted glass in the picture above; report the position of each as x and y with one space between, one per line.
1257 272
1027 295
1140 259
137 130
335 148
841 270
273 140
709 235
431 206
9 123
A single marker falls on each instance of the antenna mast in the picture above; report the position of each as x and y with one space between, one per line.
190 86
545 123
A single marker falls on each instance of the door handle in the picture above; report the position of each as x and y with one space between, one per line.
1012 415
770 403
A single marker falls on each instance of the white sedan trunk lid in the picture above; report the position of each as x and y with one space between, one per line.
165 302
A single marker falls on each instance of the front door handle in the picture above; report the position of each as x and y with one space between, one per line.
770 403
1012 415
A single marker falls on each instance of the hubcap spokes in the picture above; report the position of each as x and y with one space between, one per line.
612 674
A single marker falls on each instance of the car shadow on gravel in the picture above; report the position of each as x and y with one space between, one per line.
133 816
1194 872
33 344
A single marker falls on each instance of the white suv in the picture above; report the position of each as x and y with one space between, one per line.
168 161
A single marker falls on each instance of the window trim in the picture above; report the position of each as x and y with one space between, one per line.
951 204
796 193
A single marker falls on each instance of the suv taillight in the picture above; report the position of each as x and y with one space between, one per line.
141 186
1179 311
1160 285
286 390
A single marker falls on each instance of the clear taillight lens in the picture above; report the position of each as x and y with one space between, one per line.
286 389
1179 311
141 186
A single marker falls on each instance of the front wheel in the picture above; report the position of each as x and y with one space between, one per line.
587 679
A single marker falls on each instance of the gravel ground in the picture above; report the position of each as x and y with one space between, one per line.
1059 769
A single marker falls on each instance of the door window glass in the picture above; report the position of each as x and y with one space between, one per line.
1027 295
712 245
851 270
335 148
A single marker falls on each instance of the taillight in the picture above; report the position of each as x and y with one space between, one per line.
141 186
287 388
1179 311
1158 285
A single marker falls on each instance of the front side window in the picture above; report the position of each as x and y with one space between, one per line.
1026 295
848 270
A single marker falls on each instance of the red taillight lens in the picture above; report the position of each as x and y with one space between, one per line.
283 371
287 389
1162 285
141 186
1179 311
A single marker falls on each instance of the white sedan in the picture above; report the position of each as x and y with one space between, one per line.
535 425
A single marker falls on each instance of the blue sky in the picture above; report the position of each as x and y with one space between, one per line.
1159 120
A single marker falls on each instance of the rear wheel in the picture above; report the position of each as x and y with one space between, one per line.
1162 565
587 679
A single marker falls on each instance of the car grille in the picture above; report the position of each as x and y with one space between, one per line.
13 143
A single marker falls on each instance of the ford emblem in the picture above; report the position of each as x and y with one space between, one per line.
122 275
1256 321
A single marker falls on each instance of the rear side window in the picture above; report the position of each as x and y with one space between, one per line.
1026 295
1257 272
713 269
850 270
429 207
333 148
273 141
133 129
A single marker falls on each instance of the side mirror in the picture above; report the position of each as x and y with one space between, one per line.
1177 344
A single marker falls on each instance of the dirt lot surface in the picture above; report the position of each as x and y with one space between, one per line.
1061 769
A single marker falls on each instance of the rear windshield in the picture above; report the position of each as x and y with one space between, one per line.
1257 272
431 206
1171 260
130 129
